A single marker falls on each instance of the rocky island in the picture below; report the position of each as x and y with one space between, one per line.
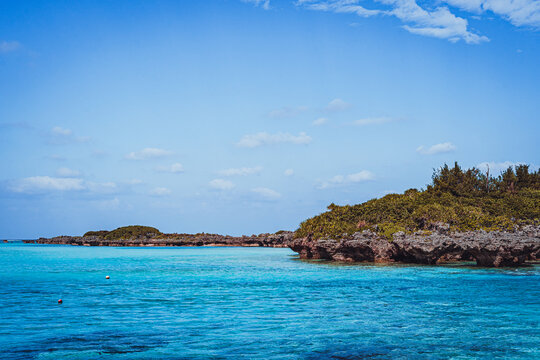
460 216
137 235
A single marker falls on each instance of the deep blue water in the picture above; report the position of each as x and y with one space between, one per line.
256 303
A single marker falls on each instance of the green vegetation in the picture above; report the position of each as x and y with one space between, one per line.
100 233
465 200
125 232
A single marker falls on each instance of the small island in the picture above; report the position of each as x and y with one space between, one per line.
137 235
463 215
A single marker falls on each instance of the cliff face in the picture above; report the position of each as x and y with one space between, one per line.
492 249
268 240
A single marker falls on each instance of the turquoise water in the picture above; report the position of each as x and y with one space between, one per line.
256 303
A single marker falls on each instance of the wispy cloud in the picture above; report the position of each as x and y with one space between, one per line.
148 153
160 191
9 46
436 149
517 12
337 105
266 193
221 184
437 22
60 183
244 171
46 183
287 111
372 121
265 4
288 172
56 157
67 172
264 138
175 168
339 6
61 136
361 176
320 121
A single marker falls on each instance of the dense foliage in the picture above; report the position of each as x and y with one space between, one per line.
125 232
466 200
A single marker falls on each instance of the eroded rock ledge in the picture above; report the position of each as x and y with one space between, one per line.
493 249
266 240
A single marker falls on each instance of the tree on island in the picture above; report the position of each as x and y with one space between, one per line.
461 199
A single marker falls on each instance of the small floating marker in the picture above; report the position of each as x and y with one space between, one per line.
59 301
107 277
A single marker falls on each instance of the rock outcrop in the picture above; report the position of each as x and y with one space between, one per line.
280 239
493 249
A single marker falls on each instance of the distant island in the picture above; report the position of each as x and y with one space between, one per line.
463 215
137 235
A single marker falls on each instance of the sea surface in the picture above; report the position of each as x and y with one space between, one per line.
256 303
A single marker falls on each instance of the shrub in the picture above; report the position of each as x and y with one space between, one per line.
466 200
133 231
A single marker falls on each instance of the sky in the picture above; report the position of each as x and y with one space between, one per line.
246 117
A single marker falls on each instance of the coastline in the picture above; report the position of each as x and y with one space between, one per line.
488 249
281 239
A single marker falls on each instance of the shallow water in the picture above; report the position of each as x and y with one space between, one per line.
256 303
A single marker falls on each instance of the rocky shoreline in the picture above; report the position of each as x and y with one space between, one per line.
280 239
490 249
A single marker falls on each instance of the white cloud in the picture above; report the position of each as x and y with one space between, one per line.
221 184
160 191
361 176
9 46
372 121
46 183
175 168
264 138
337 105
66 172
339 6
439 23
495 168
60 135
518 12
436 22
266 193
288 172
60 131
320 121
241 171
265 4
436 149
148 153
287 111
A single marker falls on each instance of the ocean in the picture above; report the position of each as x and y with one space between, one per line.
257 303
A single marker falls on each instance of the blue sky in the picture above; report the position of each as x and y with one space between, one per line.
242 117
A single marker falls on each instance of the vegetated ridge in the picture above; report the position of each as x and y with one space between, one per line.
461 215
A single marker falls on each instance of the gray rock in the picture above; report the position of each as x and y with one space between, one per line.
493 249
